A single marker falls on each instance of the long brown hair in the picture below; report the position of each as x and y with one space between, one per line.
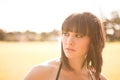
87 24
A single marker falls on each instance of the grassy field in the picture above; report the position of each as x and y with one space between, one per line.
17 58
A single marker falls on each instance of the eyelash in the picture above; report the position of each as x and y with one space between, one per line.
65 34
77 35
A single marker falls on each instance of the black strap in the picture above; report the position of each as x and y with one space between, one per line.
58 73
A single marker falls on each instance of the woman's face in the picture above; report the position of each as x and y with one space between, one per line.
75 45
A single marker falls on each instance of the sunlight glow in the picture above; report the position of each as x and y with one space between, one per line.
46 15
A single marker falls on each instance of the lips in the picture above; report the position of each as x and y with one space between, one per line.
69 49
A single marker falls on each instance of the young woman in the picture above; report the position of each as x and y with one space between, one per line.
83 40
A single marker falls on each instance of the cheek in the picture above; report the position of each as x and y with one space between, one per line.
63 40
83 46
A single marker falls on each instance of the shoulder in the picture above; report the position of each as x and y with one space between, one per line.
102 77
43 71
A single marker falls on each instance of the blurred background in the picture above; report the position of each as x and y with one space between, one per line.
30 33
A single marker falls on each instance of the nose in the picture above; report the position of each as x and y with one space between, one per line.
70 40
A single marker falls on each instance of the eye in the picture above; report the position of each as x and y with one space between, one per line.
79 35
65 34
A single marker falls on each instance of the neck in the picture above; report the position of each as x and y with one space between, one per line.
77 64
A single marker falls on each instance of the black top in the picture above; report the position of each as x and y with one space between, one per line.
58 73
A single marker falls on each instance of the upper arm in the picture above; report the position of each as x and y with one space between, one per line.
37 73
33 74
42 72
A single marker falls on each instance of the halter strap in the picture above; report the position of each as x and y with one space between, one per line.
58 73
60 66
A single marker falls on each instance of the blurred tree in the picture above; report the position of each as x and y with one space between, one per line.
2 35
50 36
10 36
54 35
30 36
44 36
55 32
112 26
115 17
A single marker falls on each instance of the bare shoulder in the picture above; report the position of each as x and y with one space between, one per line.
102 77
43 71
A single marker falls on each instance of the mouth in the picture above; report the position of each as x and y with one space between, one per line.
70 49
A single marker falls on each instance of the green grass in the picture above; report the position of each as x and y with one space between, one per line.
17 58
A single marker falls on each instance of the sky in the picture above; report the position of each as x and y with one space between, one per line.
46 15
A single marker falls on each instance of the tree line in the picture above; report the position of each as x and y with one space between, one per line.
29 36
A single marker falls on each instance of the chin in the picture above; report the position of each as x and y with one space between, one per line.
69 55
